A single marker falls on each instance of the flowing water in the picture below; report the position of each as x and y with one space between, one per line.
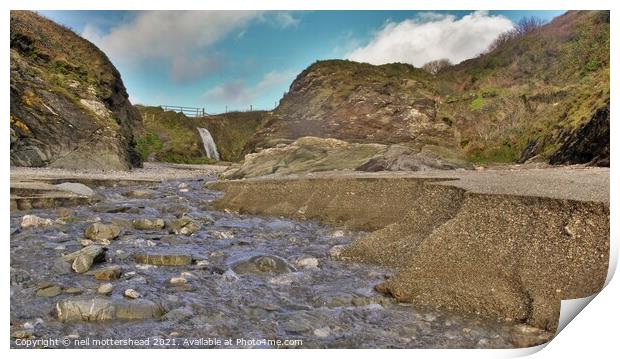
332 305
209 144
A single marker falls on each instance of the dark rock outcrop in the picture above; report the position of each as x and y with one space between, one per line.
69 107
587 144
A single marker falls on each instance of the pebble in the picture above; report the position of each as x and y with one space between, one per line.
309 262
322 332
132 294
105 288
178 281
49 291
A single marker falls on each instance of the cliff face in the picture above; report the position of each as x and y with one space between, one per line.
531 98
69 107
361 103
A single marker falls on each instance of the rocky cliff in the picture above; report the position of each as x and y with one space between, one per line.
540 95
69 107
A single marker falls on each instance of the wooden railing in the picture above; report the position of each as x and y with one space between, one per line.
187 111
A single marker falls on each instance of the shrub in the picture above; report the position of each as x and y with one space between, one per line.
435 66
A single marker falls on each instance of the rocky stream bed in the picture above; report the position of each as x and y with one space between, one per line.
158 266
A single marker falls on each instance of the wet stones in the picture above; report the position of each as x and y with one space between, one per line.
132 294
76 188
163 259
108 273
308 262
262 264
94 309
82 260
102 232
100 309
49 290
178 281
105 289
31 220
148 224
184 226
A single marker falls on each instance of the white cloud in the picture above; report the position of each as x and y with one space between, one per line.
172 36
432 36
236 93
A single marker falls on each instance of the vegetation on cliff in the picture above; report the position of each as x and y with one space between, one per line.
69 107
528 98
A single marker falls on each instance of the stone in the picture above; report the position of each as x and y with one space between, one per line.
76 188
262 264
148 224
184 226
74 290
100 231
163 259
83 259
108 273
105 288
30 220
86 242
138 309
101 309
94 309
323 332
178 281
308 262
49 291
132 294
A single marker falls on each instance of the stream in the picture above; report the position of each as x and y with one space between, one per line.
218 302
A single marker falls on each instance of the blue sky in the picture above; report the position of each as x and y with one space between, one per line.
234 59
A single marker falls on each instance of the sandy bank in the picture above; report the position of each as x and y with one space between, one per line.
508 244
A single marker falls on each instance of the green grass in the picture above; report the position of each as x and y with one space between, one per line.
477 103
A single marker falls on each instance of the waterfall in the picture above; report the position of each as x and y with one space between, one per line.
209 145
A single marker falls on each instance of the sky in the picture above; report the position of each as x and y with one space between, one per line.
231 60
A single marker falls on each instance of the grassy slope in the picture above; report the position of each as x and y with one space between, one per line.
531 90
526 94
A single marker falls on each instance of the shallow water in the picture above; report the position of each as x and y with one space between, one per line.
333 305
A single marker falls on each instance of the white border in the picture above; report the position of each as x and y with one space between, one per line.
592 332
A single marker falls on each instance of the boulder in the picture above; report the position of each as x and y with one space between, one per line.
108 273
82 260
101 309
102 232
49 291
184 226
148 224
76 188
